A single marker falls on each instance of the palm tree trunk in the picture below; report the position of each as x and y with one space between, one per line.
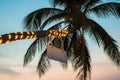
5 38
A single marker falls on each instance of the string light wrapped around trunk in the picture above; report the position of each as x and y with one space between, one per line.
5 38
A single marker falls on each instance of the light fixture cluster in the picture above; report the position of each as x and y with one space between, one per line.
58 33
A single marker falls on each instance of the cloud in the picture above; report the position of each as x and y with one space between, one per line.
8 71
3 56
109 77
105 71
11 72
100 71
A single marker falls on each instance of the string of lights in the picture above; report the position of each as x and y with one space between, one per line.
16 36
30 34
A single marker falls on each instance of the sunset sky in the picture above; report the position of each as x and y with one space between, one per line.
12 13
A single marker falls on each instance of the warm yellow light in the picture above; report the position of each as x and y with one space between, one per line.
58 33
9 36
50 31
16 36
49 35
31 37
28 32
0 39
15 32
27 37
21 36
33 33
35 36
7 41
21 33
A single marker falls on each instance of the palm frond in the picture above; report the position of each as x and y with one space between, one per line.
30 52
66 43
43 64
67 3
38 44
72 39
81 61
57 26
106 9
42 43
34 20
59 2
56 17
106 40
88 4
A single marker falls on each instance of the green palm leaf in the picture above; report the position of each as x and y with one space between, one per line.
57 26
81 61
34 20
43 64
89 4
54 18
30 52
38 44
106 40
106 9
59 2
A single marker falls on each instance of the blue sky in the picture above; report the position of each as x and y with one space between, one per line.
12 13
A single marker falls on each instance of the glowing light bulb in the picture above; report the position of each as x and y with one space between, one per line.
9 36
21 36
21 33
0 39
35 36
28 32
31 37
15 32
33 33
49 35
7 42
27 37
16 36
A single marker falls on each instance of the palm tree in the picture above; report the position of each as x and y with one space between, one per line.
74 15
